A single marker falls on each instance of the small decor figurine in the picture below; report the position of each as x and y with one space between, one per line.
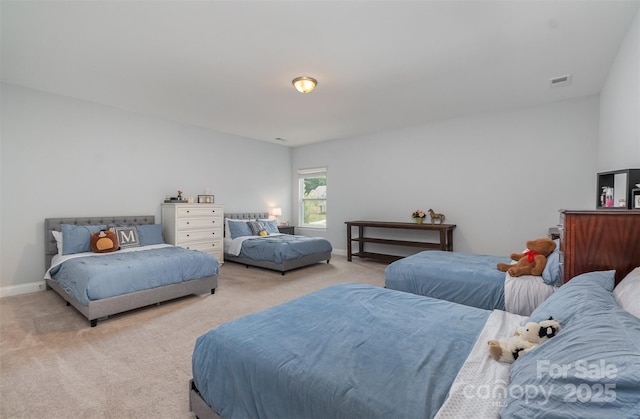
179 195
435 216
418 215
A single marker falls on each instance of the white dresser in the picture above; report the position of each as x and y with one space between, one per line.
194 226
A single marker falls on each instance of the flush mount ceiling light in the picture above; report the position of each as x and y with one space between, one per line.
304 84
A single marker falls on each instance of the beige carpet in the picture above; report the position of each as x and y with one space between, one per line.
137 364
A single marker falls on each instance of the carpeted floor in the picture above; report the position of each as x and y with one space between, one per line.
137 364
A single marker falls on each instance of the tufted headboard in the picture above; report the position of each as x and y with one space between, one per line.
50 224
247 215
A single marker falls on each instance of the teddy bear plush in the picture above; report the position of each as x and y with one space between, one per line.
526 338
104 241
532 261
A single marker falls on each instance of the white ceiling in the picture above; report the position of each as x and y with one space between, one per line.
228 65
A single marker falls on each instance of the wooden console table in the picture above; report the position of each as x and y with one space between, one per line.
445 230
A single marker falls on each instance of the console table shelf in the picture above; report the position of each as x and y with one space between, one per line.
445 238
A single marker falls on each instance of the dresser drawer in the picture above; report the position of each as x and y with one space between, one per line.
204 212
210 246
199 223
198 235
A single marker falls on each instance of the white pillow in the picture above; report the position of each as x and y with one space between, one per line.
627 292
58 236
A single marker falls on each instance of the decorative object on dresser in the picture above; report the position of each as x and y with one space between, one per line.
435 216
445 234
618 189
206 199
599 240
195 226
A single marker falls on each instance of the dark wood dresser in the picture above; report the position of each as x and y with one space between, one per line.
599 240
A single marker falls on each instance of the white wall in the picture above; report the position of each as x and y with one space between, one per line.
501 178
64 158
619 144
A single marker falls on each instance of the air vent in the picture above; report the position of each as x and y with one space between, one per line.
560 81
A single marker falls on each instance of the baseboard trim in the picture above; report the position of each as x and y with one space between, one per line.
23 289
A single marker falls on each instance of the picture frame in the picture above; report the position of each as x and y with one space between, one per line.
636 201
206 199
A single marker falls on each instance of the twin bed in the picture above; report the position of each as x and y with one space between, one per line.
353 350
102 284
275 251
473 280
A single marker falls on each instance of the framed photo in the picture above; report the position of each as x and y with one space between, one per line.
636 201
205 199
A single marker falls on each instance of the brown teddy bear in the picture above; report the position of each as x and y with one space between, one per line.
104 241
532 261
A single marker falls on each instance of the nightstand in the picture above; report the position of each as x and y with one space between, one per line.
287 229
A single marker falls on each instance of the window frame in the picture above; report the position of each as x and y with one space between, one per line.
306 174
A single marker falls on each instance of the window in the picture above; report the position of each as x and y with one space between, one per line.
312 192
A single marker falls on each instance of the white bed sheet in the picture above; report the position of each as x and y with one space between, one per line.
480 386
234 246
523 294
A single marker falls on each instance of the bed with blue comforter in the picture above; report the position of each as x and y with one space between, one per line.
272 250
102 284
358 351
472 279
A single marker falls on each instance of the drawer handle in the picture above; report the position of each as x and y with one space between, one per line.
187 222
188 211
188 235
213 222
213 245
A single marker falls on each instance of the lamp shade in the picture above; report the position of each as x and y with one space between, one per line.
276 211
304 84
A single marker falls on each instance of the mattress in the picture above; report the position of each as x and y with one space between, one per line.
463 278
277 248
347 351
90 276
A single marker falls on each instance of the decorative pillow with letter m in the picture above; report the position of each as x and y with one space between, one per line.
127 236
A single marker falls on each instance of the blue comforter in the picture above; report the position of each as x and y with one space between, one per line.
347 351
107 275
279 248
463 278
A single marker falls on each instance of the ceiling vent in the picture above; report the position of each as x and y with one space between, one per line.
560 81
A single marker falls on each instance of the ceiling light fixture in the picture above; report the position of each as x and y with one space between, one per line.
304 84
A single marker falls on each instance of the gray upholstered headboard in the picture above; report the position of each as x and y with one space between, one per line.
50 224
247 215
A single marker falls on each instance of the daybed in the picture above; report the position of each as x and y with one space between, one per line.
110 283
279 252
358 351
473 280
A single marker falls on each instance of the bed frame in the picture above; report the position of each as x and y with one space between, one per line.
100 309
283 267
